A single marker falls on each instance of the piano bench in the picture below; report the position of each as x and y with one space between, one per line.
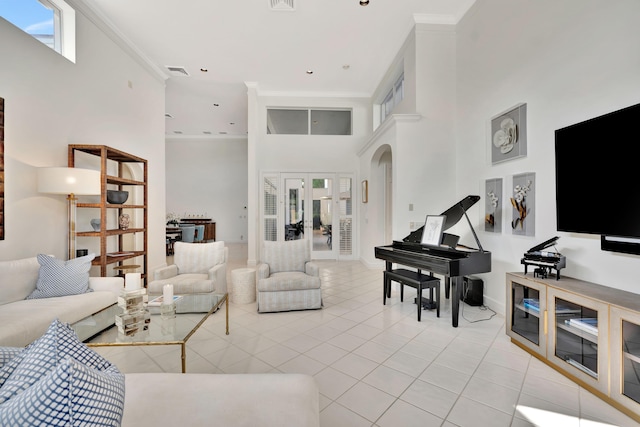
416 280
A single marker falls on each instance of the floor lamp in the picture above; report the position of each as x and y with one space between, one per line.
72 182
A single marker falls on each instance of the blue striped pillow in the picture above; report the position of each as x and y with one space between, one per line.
59 278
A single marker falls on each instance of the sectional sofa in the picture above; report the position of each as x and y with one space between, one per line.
23 320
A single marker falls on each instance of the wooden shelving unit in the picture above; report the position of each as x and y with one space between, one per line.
112 163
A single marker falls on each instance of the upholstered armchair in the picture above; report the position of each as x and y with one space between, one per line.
286 279
199 270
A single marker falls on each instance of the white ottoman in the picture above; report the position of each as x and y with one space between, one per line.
243 282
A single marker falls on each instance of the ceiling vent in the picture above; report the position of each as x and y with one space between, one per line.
282 4
178 71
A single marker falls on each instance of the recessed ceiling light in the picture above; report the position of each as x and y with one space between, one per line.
204 70
168 116
346 66
216 105
177 131
364 2
231 123
206 132
309 71
222 133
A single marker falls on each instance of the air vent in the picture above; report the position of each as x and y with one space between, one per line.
178 132
206 132
282 4
178 71
168 116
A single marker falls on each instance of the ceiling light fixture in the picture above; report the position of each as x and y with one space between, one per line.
364 2
204 70
216 105
309 71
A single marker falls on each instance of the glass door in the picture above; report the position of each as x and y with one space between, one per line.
321 226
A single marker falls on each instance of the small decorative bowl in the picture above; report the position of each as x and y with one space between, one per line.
117 197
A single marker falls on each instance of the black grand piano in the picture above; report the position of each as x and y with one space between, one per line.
449 259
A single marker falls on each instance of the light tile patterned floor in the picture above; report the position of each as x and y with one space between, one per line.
375 365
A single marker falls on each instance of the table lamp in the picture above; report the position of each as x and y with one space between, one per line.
72 182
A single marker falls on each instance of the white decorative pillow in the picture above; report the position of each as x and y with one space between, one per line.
71 394
59 278
42 356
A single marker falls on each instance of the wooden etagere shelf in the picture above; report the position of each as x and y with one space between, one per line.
112 164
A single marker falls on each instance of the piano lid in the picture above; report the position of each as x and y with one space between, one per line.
454 214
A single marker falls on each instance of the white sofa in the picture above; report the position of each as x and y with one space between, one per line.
234 400
23 320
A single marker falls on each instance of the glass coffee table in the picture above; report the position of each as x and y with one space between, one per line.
167 331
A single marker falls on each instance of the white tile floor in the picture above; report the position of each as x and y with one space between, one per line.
376 365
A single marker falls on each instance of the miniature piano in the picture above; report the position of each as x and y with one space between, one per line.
545 261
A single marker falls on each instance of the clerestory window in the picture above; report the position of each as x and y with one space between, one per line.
52 22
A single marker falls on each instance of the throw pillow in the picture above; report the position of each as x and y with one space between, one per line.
71 394
8 353
59 278
42 356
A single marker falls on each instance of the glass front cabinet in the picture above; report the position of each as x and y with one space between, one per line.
527 311
625 357
588 332
578 329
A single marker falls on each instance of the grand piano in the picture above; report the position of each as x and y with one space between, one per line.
450 259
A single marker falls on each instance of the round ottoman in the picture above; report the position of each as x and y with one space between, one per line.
243 282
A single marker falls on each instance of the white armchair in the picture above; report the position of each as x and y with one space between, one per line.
286 279
199 270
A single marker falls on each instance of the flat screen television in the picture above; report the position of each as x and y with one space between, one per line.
597 172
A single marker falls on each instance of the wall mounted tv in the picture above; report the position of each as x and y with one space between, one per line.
596 177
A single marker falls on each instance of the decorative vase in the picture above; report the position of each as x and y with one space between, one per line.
124 221
95 223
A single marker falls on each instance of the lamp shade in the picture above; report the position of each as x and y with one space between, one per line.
68 181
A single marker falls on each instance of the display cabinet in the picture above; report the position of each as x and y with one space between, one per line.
625 356
588 332
578 329
527 319
121 245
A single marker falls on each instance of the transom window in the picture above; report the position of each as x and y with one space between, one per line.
50 21
283 121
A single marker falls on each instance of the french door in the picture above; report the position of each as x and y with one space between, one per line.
316 207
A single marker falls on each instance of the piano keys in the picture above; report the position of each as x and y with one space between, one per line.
452 263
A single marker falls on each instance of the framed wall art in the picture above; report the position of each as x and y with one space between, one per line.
509 134
523 202
493 205
2 168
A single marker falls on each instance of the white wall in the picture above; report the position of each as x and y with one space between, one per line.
569 61
50 103
422 142
210 175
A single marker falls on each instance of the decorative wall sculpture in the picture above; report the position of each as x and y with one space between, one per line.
493 205
509 134
523 201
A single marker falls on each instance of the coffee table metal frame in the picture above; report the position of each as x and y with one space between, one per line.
181 342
